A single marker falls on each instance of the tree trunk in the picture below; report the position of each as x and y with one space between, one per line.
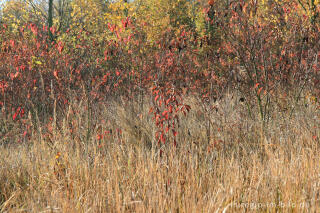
50 17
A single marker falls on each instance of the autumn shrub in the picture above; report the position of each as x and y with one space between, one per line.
265 52
250 48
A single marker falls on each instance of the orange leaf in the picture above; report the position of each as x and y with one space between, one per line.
55 73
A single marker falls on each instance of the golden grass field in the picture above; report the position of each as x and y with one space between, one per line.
237 165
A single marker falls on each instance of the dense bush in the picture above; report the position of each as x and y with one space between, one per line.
261 50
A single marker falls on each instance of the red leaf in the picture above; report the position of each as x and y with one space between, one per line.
11 76
164 113
167 116
167 101
99 137
16 113
188 107
16 74
156 98
12 43
124 23
52 30
3 85
118 35
14 116
162 137
160 102
174 133
21 112
60 47
111 27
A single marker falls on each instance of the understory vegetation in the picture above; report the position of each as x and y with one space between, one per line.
159 106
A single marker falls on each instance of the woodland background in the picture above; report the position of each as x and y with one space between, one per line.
159 105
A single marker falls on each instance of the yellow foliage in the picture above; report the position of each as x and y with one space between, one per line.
86 14
156 16
15 13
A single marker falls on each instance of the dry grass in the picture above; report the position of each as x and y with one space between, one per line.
235 166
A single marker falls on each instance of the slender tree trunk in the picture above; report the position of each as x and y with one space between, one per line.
50 17
125 10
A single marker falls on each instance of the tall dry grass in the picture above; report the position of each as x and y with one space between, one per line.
224 162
